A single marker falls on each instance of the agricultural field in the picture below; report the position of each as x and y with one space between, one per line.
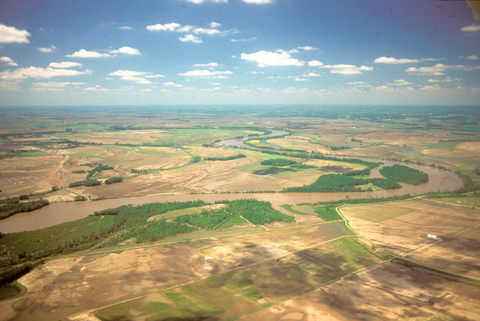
275 214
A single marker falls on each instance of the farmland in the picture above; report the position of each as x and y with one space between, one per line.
271 214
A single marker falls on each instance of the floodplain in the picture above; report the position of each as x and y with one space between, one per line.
371 249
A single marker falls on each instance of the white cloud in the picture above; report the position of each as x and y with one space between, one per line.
311 74
315 63
165 27
400 82
215 25
8 61
126 51
209 65
243 40
392 60
13 35
47 49
206 31
96 88
356 83
192 30
430 88
472 57
191 38
172 84
64 64
472 28
82 53
9 85
446 80
38 72
258 1
138 77
439 69
346 69
206 73
54 86
308 48
125 28
300 79
267 58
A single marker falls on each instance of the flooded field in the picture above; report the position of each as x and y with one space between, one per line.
439 180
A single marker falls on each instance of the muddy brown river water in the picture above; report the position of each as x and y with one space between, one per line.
439 180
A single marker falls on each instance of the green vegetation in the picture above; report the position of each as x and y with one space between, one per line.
112 226
225 158
114 180
401 173
256 212
289 208
11 206
278 162
80 171
327 213
87 183
97 169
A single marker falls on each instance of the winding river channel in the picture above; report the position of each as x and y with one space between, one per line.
56 213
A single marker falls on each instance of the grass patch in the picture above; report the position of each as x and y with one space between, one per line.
327 213
289 208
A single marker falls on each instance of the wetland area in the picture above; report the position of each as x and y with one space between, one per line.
216 214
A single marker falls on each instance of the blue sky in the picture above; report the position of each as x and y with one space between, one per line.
238 52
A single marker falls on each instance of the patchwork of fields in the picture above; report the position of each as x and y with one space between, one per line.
283 260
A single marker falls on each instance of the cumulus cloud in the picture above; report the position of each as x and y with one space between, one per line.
308 48
64 64
341 68
82 53
38 72
311 74
54 86
446 80
472 28
13 35
8 85
8 61
392 60
165 27
472 57
191 38
439 69
138 77
209 65
125 28
206 74
126 51
244 39
97 88
192 30
172 84
47 49
267 58
315 63
400 82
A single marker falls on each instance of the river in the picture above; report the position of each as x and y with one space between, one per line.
56 213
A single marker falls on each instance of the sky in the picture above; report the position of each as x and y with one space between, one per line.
165 52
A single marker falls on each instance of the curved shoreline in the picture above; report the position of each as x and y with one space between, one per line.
439 181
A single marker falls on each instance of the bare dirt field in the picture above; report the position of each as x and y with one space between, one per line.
402 227
385 292
72 285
